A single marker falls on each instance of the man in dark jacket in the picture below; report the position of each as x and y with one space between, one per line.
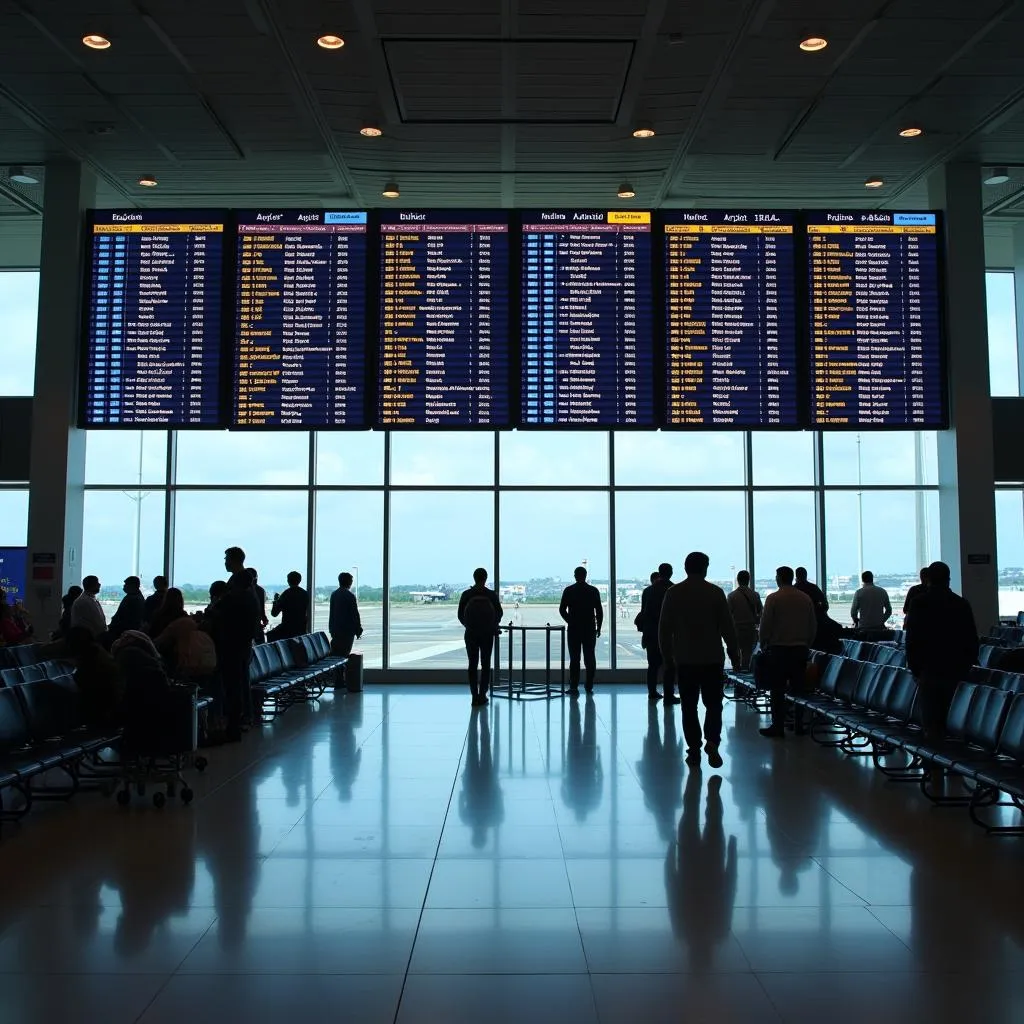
812 590
130 612
344 624
293 607
647 622
234 620
480 613
942 645
580 609
153 602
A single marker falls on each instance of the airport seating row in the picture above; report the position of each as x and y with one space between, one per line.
869 709
878 653
288 672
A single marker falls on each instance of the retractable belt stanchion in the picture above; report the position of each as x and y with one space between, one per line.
515 685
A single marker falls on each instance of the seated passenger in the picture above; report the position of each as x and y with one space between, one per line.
97 676
293 607
11 632
189 654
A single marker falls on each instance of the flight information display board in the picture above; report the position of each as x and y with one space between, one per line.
730 316
444 322
587 356
299 355
154 319
876 342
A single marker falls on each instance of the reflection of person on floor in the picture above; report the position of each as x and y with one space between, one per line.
794 814
583 779
480 802
700 874
231 849
660 771
347 716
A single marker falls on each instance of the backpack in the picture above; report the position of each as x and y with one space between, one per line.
479 614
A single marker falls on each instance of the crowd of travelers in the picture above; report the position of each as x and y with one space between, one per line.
688 628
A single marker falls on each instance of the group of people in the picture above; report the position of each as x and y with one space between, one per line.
15 624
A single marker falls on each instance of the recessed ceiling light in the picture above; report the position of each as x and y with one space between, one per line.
148 181
371 130
912 131
997 176
96 42
626 191
23 176
391 190
644 131
813 44
328 41
875 181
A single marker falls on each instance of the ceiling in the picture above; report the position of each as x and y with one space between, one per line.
510 102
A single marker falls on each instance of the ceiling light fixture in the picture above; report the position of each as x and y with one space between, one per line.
997 176
371 130
644 130
626 191
391 190
96 42
875 181
23 176
329 41
912 131
148 181
813 44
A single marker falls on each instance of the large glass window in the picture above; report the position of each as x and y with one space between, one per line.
545 535
784 534
1003 350
270 526
783 459
442 459
664 526
228 457
549 459
350 538
123 535
13 519
650 458
437 539
892 533
905 458
1010 545
348 457
19 308
126 457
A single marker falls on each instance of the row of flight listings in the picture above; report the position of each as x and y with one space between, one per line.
534 318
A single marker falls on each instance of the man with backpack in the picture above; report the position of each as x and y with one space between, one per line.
480 614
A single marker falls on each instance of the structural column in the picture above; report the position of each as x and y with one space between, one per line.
967 514
1018 290
57 467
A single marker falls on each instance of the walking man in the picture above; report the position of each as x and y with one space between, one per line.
788 626
480 613
647 622
583 615
695 621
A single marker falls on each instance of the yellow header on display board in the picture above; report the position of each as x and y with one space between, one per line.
629 217
153 229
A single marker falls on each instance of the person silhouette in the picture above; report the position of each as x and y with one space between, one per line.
660 771
700 874
480 803
345 750
583 779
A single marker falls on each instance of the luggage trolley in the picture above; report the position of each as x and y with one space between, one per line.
515 685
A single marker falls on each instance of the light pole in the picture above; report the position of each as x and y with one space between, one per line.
355 579
860 513
137 498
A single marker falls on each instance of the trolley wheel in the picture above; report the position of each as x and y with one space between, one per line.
124 797
200 764
159 800
187 795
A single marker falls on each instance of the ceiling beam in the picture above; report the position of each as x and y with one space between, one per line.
509 106
27 203
307 97
716 84
639 63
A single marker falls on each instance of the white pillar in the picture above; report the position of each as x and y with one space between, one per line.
967 516
57 467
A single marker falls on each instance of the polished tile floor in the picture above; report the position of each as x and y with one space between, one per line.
395 856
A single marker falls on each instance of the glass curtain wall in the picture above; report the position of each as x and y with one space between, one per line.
411 515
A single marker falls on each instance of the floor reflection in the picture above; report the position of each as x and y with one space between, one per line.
660 770
346 718
583 779
480 802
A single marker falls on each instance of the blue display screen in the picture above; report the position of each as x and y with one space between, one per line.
587 345
299 356
730 317
154 318
875 320
444 319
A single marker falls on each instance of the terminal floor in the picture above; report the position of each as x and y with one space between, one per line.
358 862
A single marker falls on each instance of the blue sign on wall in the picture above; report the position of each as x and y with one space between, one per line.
13 563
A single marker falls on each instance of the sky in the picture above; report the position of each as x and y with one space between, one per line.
441 536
